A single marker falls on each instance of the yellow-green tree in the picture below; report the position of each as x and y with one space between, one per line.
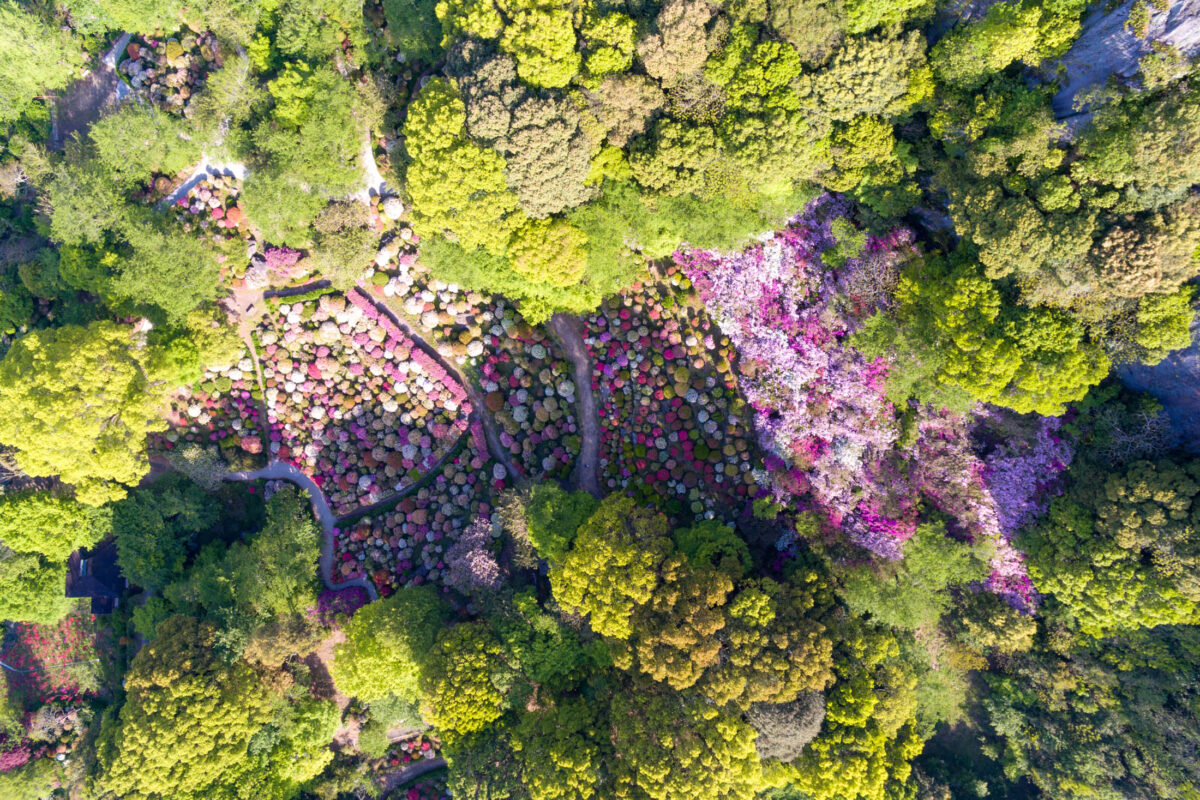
613 565
457 188
79 404
672 747
386 643
185 728
459 688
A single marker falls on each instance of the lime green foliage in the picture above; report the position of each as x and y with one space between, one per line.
1148 151
36 57
610 39
618 538
554 517
1028 31
457 188
863 15
32 589
914 592
671 748
870 75
849 243
959 334
53 525
674 633
871 163
33 781
1164 323
868 737
755 77
79 406
986 623
558 751
386 643
776 649
543 43
1120 555
314 134
187 721
549 252
477 18
458 686
96 16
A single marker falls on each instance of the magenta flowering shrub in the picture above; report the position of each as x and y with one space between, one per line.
1024 476
17 756
820 405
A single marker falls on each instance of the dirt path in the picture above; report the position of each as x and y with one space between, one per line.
85 100
569 331
477 405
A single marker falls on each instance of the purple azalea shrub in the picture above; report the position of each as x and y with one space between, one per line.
471 564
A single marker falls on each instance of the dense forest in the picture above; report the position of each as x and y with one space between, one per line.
598 399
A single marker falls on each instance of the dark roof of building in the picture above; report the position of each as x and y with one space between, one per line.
95 573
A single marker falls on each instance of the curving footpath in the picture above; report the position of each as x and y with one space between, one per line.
282 471
569 331
394 780
477 406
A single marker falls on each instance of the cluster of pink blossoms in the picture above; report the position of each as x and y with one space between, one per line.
821 411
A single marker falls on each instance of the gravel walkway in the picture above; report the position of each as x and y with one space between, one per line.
569 331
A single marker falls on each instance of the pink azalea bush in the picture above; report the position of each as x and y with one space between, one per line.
832 439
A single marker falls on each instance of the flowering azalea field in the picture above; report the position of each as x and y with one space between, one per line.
530 392
353 401
223 409
832 439
407 545
43 650
673 425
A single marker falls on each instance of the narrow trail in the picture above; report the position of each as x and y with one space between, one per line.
569 331
283 471
477 406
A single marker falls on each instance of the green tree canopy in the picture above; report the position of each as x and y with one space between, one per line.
386 644
80 405
50 524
